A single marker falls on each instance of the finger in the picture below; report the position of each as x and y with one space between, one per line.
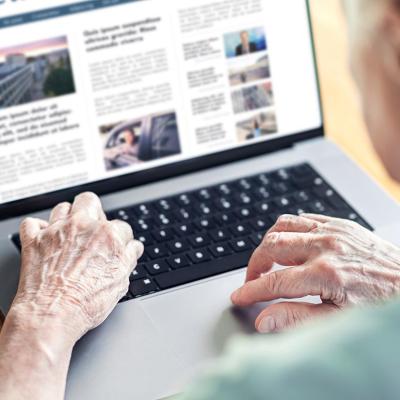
285 248
287 315
123 230
59 212
290 283
323 219
88 204
30 228
134 251
294 223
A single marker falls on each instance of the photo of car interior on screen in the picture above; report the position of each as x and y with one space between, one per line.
139 140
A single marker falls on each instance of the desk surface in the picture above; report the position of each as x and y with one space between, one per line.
343 119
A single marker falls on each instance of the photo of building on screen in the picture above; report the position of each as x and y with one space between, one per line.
252 98
35 71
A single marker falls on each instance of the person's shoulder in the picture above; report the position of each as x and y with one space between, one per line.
238 49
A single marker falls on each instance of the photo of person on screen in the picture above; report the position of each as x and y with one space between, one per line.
246 46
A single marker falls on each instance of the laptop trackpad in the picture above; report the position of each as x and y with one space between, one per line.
198 321
125 358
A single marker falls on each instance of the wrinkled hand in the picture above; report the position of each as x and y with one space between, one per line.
75 268
338 260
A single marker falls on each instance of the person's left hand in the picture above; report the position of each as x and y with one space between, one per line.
338 260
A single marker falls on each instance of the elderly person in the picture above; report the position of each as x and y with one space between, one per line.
76 266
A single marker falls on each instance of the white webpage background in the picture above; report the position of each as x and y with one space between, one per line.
290 50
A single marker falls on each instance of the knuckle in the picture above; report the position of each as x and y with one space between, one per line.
272 282
325 268
333 242
25 223
272 239
284 220
87 196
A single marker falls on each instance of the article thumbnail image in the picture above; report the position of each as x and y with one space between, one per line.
35 71
258 126
245 42
253 98
140 140
254 69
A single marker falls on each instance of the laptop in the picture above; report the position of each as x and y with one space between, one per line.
198 123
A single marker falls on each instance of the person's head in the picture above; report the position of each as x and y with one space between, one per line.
374 31
129 137
244 38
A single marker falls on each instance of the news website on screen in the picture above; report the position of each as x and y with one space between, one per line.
98 89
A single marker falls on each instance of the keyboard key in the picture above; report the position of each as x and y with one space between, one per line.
220 250
220 235
142 287
318 207
164 205
145 238
281 187
205 223
165 219
138 273
142 225
178 246
282 203
199 240
204 270
156 267
259 224
184 199
204 209
157 251
180 261
240 229
225 189
184 229
163 235
264 207
142 210
224 204
199 256
245 213
185 214
241 244
264 179
244 184
263 193
302 196
257 238
225 218
244 199
204 194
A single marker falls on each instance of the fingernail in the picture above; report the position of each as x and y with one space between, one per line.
267 325
235 295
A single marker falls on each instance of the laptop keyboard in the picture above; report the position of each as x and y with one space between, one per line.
214 230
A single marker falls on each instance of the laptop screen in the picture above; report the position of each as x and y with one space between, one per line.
98 89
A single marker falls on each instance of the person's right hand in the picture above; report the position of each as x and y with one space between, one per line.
76 267
343 263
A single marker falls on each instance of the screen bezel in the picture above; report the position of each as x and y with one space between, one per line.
111 185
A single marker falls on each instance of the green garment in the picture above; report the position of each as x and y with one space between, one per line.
354 355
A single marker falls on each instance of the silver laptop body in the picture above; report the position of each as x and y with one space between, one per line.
152 347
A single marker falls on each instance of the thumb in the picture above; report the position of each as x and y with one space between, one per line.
282 316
